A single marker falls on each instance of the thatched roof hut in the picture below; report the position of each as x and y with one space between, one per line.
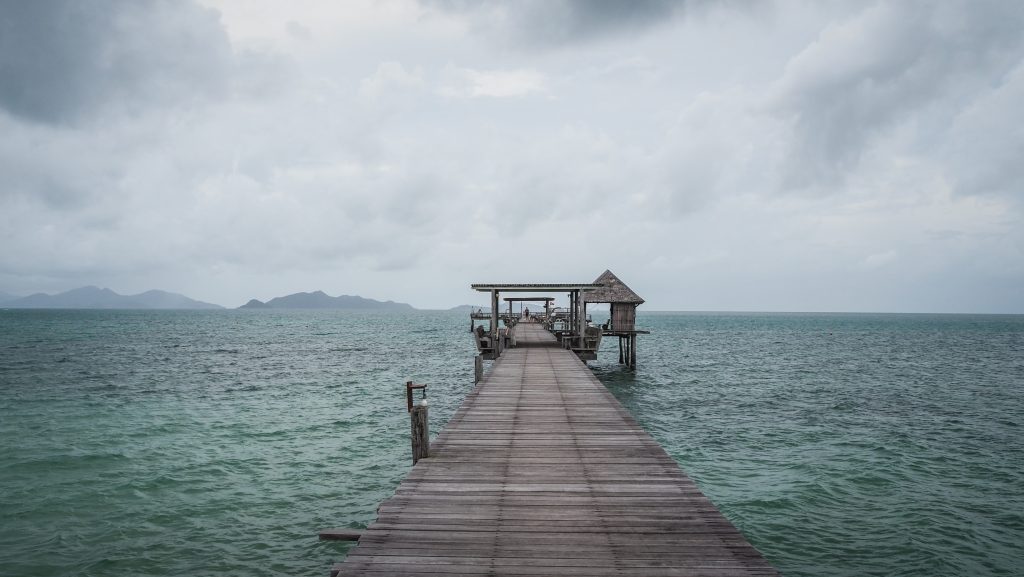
622 299
612 290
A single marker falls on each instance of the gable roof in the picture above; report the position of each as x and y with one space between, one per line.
612 290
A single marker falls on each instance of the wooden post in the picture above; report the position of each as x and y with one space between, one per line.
632 350
494 322
583 321
478 368
571 325
621 360
409 388
420 432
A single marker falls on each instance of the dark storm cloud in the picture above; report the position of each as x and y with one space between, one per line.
62 61
552 22
892 64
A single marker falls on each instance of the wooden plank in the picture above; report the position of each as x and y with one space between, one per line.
542 472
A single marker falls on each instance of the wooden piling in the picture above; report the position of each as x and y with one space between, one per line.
478 368
632 351
420 432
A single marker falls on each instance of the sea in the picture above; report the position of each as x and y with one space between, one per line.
159 443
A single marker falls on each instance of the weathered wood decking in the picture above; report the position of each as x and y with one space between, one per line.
542 472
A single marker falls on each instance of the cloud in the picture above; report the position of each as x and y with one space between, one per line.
556 22
889 65
806 155
880 259
390 78
469 83
983 150
62 62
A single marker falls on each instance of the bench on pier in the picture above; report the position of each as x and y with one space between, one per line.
484 344
591 343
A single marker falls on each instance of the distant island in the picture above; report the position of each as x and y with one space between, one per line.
91 297
321 300
470 309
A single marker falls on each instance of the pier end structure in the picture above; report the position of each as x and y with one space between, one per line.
492 346
622 302
572 327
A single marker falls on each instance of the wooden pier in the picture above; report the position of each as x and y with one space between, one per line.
541 472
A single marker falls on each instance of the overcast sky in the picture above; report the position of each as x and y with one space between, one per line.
792 156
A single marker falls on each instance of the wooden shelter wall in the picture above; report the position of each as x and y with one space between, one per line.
623 316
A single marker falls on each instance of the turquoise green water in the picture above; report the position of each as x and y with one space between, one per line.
219 443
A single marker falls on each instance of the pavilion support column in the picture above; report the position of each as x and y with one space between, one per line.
621 360
494 321
571 325
583 320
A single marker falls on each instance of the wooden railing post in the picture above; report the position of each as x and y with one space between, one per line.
419 423
478 368
420 432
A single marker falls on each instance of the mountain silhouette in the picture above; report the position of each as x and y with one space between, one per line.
321 300
91 297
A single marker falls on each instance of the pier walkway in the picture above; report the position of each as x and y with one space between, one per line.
542 472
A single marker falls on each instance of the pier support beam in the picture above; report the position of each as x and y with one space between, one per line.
632 351
478 369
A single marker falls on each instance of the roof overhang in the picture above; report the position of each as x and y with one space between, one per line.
541 287
528 299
